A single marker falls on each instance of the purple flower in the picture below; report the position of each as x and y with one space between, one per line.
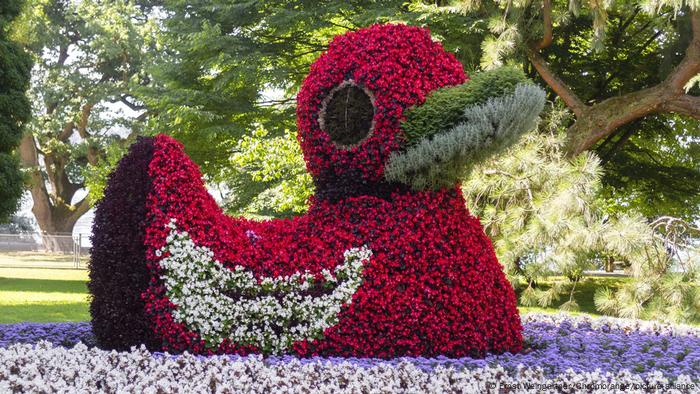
555 344
63 334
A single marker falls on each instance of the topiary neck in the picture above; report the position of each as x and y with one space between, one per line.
333 188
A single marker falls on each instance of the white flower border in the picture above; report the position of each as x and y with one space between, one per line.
45 368
195 283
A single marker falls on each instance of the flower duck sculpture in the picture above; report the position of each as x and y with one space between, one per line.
387 262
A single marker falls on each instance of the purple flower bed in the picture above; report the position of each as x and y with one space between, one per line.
62 334
581 347
555 344
559 343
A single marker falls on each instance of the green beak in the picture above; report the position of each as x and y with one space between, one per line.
458 127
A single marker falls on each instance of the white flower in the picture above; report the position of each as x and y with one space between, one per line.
195 283
47 368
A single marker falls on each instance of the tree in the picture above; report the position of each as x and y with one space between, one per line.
89 56
628 71
600 118
15 110
545 216
650 165
666 288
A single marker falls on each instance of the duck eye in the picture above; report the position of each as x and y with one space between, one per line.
347 114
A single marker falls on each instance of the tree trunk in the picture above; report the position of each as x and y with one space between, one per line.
53 211
609 264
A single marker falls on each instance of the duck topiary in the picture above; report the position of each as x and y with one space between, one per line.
387 261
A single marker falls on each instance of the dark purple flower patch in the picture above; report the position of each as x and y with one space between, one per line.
118 274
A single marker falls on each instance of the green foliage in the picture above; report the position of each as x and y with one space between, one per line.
546 219
444 108
486 129
277 165
17 224
96 176
15 110
11 185
666 286
15 65
657 170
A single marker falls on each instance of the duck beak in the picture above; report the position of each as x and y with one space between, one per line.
460 126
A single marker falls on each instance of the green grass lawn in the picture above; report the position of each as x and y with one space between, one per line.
43 295
60 294
585 292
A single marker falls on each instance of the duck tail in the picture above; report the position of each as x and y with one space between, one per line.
118 272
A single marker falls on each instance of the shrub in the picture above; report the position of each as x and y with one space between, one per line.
118 273
665 283
545 216
15 66
485 131
444 108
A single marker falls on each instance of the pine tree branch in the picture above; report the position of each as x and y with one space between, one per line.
548 34
572 101
554 81
603 118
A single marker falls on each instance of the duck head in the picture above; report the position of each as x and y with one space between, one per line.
386 109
